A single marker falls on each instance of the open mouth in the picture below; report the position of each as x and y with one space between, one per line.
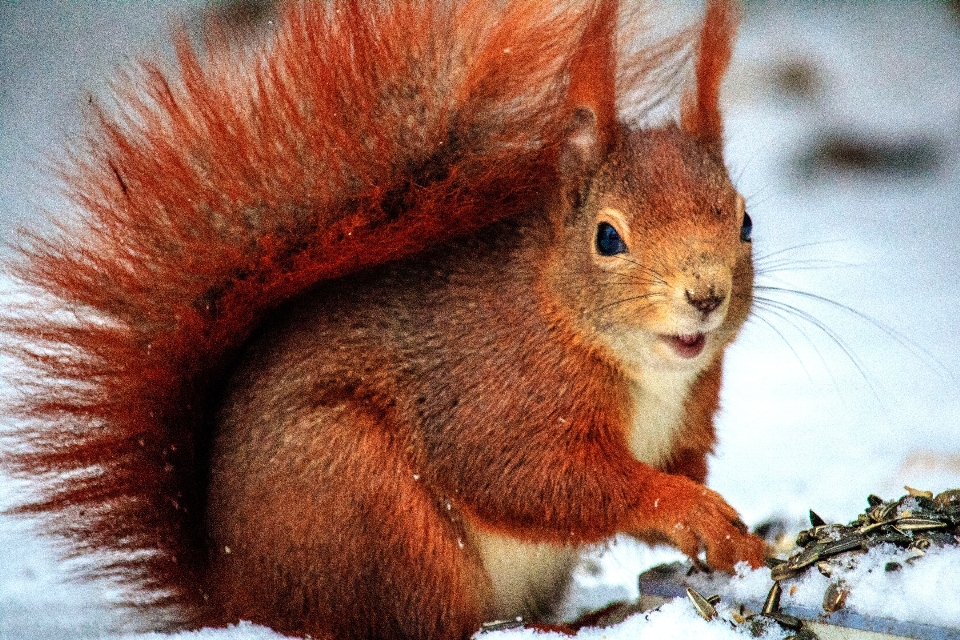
688 346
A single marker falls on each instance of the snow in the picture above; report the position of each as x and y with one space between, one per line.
915 592
675 620
806 423
912 593
243 630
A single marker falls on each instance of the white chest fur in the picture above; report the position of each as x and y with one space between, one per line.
659 406
528 579
659 387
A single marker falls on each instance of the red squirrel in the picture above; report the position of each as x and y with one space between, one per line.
370 328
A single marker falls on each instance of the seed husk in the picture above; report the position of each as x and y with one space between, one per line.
706 610
784 572
772 603
887 511
948 498
919 524
875 526
875 513
786 620
835 596
917 521
828 532
920 543
849 543
501 625
805 559
893 536
917 493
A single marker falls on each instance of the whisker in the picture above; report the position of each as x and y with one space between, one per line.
786 259
757 199
830 333
784 264
773 327
796 247
898 337
626 300
764 306
625 281
658 277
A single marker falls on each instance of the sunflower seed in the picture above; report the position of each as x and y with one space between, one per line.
772 603
706 610
786 620
846 544
919 524
805 559
948 498
835 597
784 572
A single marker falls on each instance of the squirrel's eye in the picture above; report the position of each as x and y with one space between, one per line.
609 242
746 229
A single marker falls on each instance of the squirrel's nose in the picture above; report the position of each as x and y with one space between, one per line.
706 301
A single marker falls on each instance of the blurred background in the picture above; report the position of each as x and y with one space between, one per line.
843 133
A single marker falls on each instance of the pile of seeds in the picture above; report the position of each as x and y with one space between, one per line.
916 521
758 624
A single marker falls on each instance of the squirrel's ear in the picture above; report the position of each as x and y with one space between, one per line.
700 108
593 71
582 149
591 97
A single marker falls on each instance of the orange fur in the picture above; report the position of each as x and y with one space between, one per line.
701 111
336 302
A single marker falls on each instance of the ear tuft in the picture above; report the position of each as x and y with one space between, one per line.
593 71
700 110
591 97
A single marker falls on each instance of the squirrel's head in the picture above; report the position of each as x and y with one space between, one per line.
656 256
657 252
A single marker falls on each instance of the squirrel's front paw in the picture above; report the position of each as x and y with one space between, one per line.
695 519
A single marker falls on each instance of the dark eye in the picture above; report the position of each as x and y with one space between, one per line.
609 242
746 229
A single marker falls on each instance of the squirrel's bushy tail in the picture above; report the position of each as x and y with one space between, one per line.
360 133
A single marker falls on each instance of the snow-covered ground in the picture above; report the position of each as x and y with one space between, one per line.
844 134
